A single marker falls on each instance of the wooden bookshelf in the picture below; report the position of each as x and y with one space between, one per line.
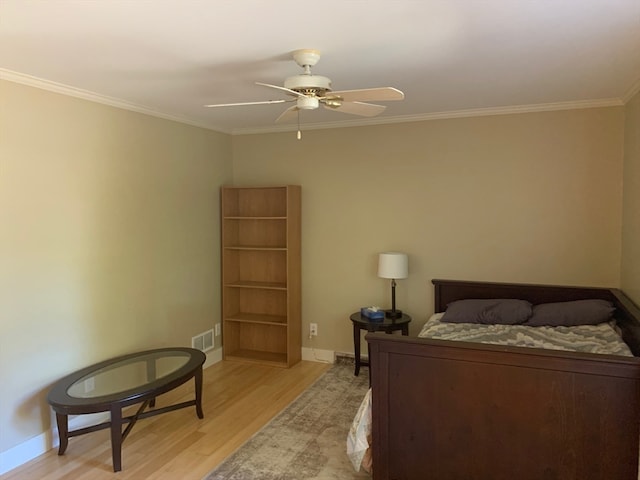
261 292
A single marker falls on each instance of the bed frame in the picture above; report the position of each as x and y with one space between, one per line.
456 410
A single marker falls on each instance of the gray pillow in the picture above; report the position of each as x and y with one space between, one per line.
568 314
488 311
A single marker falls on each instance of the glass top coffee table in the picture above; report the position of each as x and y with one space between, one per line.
111 385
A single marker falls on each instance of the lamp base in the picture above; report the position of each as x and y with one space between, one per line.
393 314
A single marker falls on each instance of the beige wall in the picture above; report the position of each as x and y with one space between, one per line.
519 198
109 222
109 241
630 270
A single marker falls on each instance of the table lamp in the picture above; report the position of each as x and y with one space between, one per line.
393 265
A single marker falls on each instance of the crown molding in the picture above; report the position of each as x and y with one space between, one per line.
359 122
477 112
60 88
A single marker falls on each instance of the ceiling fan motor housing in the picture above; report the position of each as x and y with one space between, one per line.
308 84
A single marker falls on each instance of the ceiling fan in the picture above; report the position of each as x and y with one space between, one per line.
310 91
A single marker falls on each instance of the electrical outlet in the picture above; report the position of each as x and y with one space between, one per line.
217 329
313 329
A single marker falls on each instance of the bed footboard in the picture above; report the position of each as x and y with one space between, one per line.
454 410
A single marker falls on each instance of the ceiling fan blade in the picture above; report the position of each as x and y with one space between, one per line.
288 115
284 89
358 108
381 94
266 102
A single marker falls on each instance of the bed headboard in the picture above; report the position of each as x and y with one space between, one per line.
627 313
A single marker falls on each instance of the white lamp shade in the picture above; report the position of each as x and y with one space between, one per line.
393 265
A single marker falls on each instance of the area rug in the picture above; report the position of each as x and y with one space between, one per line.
307 440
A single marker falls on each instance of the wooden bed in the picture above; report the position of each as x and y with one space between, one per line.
447 410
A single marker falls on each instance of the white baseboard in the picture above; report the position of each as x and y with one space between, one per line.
213 357
36 446
25 451
318 355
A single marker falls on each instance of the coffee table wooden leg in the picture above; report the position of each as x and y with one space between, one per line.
116 437
198 381
63 432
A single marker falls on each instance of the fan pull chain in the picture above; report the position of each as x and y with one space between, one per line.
299 132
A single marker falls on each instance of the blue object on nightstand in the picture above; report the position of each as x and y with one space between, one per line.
372 313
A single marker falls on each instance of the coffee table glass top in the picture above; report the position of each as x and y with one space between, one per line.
125 380
129 373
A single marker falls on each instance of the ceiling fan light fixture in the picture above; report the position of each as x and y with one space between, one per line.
308 103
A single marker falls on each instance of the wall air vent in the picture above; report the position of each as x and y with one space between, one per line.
203 341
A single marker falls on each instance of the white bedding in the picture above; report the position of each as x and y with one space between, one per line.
602 338
359 435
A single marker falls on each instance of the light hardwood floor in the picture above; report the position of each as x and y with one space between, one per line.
238 399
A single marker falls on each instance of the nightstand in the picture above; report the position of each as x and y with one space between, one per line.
387 325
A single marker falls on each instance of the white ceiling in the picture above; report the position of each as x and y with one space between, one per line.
449 57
